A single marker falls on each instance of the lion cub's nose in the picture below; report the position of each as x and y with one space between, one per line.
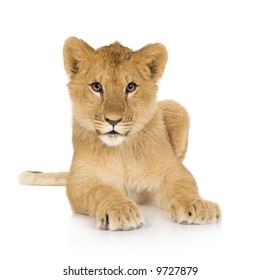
113 122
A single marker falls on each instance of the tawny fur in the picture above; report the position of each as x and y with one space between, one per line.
142 159
43 179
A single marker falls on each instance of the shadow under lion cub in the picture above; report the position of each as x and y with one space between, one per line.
128 147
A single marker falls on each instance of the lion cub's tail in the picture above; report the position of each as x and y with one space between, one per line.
43 179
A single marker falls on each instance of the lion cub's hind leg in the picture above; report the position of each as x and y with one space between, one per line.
177 122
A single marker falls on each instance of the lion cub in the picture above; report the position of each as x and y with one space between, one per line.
126 144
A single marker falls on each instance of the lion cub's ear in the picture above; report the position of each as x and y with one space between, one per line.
151 60
76 54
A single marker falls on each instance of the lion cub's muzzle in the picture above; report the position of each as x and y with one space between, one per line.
113 124
112 131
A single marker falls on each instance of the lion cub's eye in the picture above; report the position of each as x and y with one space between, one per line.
131 87
97 87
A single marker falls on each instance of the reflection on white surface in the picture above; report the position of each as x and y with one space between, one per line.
41 234
158 233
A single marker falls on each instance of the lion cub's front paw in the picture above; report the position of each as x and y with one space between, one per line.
123 215
195 211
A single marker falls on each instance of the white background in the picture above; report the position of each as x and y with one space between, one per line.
213 70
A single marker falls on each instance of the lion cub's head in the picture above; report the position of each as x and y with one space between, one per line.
113 89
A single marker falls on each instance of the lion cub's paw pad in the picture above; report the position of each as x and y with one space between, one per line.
121 216
196 211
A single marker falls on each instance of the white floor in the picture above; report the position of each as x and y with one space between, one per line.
40 237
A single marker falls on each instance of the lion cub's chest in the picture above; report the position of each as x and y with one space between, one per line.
129 175
132 176
135 183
